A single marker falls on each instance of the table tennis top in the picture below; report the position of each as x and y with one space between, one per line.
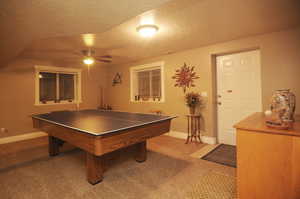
100 122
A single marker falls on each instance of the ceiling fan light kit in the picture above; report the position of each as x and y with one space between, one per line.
88 60
147 30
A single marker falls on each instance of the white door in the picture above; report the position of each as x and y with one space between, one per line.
238 91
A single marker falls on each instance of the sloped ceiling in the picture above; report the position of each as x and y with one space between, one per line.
25 21
183 24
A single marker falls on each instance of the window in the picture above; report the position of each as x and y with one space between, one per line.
57 85
147 83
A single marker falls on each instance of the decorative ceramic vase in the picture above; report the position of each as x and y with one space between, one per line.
283 104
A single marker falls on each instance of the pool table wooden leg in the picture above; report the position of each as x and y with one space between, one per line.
94 166
53 146
141 151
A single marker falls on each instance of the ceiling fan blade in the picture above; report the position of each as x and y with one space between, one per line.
105 56
103 60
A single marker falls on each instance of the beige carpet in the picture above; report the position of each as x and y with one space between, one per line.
168 173
214 186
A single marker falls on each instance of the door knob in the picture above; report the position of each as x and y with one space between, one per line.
219 103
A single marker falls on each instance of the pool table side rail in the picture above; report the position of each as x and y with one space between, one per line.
99 145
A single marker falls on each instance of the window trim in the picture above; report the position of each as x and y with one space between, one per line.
146 67
54 69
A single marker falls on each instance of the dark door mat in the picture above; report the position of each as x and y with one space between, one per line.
222 154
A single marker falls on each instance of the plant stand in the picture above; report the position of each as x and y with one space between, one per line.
193 129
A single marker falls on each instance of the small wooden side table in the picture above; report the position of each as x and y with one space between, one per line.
193 128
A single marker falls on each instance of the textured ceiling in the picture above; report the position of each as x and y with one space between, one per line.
24 21
183 24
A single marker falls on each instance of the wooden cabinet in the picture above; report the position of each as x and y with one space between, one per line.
268 160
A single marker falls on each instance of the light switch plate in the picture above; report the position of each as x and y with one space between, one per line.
204 94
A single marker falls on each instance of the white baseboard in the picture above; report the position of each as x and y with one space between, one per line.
22 137
182 135
209 140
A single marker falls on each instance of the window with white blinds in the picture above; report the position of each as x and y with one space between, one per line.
57 85
146 83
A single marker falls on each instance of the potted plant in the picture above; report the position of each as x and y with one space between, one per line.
192 101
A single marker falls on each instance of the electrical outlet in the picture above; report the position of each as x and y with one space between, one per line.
3 130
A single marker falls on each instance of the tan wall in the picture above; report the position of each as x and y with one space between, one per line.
17 87
280 62
280 69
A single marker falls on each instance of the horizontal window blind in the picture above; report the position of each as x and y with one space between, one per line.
47 86
66 87
56 87
156 83
144 84
149 84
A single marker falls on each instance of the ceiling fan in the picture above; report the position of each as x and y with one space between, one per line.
90 58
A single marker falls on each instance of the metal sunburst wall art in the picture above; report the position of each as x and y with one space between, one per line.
185 76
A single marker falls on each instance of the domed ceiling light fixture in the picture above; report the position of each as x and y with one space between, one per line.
147 30
89 39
